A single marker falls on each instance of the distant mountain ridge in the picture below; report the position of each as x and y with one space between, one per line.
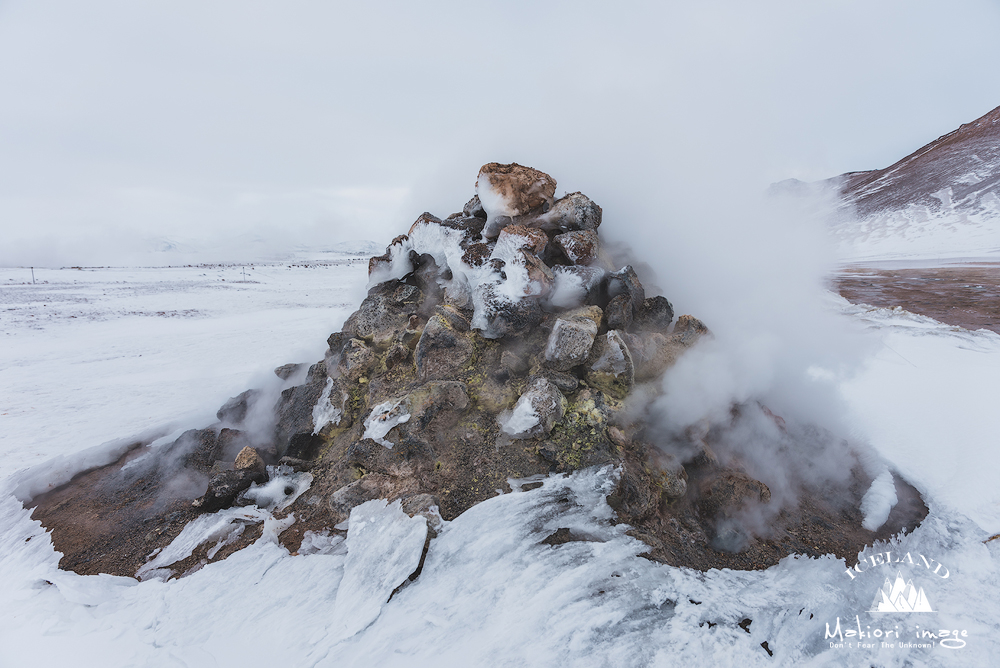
942 200
957 172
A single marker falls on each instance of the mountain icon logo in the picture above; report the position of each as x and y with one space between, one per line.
900 596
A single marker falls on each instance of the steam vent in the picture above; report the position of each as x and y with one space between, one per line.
498 344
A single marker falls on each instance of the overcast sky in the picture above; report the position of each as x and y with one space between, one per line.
212 123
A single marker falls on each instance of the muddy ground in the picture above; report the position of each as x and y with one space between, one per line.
966 295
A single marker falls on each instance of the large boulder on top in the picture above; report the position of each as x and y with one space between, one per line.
508 191
513 189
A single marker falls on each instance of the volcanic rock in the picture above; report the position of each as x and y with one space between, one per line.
618 312
474 208
384 313
573 212
611 368
249 459
234 411
579 247
286 371
655 314
572 337
226 486
625 281
536 412
355 360
508 191
441 350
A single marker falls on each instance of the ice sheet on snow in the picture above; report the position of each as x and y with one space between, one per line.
384 546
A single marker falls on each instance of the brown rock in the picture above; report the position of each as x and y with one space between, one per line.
249 459
476 255
441 351
540 277
423 219
688 330
654 314
619 312
513 190
519 237
729 491
579 247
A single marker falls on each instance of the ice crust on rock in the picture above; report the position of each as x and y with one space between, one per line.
384 546
322 542
519 421
223 527
536 412
325 412
384 418
612 358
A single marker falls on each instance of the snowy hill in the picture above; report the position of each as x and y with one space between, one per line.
943 200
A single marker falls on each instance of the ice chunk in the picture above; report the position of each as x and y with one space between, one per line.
324 412
878 501
383 418
223 527
322 542
384 546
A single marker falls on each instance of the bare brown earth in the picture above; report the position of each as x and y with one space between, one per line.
964 295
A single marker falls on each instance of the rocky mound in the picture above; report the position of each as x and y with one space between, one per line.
495 345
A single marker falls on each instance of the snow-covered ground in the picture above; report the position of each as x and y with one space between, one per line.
92 355
916 232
